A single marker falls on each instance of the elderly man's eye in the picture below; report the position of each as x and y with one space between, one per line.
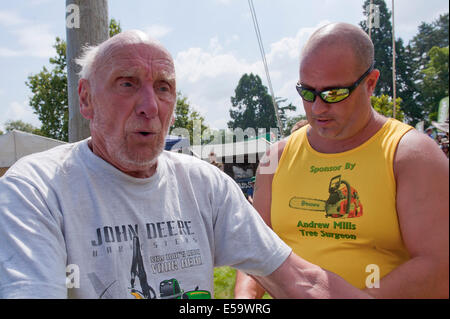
163 87
126 84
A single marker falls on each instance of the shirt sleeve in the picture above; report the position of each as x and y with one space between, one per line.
242 239
32 255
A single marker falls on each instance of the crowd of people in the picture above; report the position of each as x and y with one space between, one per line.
439 133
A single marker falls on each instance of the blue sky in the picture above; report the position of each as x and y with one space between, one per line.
212 42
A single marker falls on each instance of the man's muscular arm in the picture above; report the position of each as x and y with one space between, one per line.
421 172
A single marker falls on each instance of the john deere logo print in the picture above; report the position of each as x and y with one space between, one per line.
343 201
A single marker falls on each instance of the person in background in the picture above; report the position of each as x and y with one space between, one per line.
430 132
299 125
442 135
250 190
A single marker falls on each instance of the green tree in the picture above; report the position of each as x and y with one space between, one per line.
19 125
384 105
416 102
114 27
250 97
49 99
435 82
408 91
186 118
284 117
252 106
291 121
49 92
382 39
434 34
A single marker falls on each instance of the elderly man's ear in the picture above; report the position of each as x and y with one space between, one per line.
84 95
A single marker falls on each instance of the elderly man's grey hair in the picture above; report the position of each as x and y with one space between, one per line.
92 54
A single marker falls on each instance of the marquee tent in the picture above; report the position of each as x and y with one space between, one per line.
17 144
233 152
176 143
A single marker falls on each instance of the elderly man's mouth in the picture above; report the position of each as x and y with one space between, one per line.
145 134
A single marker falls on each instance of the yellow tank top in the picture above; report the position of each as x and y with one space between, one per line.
310 210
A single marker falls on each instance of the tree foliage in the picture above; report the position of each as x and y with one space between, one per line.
384 105
21 126
418 105
114 27
434 34
49 91
291 121
382 39
188 121
435 80
411 60
252 106
49 100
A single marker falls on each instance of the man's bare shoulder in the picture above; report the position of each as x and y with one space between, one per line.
415 150
416 145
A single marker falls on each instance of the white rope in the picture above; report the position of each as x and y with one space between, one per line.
266 68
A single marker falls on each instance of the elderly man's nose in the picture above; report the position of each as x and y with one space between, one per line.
147 105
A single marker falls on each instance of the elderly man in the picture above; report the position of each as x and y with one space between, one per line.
116 214
113 216
360 195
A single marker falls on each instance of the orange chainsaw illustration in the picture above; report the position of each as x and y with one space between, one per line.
343 201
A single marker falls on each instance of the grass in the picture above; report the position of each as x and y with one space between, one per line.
224 279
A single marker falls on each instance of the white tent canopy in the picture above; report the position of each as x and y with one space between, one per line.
17 144
252 148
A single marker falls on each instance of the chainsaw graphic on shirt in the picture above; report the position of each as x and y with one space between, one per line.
343 201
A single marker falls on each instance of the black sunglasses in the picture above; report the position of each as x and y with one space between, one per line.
333 95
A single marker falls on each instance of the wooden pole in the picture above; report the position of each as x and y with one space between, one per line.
86 24
394 111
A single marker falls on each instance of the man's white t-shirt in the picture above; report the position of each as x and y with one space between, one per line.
72 225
